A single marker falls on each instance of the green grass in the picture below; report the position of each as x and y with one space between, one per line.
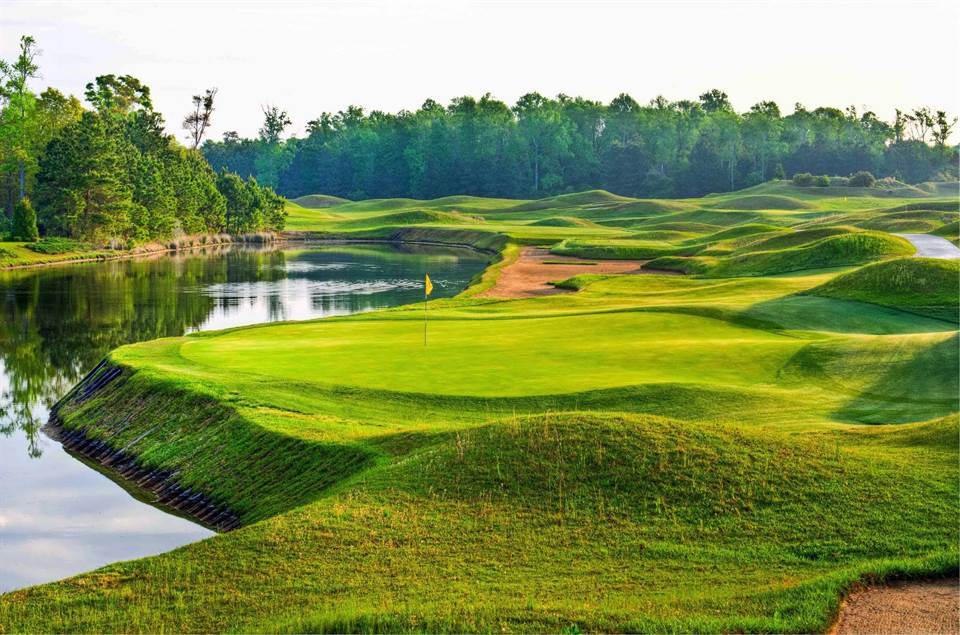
760 201
319 201
20 254
921 285
620 249
729 451
833 251
53 245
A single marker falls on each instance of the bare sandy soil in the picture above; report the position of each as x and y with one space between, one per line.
931 606
530 274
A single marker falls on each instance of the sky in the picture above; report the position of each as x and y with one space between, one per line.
311 57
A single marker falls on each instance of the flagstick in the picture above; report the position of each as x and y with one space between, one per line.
424 317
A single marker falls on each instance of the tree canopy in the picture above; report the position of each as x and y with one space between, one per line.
543 146
111 172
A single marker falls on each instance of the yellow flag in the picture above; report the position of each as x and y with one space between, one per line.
427 285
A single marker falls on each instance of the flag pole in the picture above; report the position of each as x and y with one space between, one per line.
427 290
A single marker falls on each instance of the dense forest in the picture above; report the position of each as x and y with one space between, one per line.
545 146
109 172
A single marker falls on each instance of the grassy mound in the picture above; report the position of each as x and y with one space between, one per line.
901 225
795 238
683 264
563 221
761 201
938 206
617 249
738 231
412 217
686 227
590 198
921 285
646 207
833 251
172 427
717 217
950 231
519 524
319 201
663 234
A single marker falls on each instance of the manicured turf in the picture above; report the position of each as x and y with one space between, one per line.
652 453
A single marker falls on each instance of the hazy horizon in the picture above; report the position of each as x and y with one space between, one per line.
313 57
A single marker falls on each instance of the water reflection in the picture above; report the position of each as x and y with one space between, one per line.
57 515
58 322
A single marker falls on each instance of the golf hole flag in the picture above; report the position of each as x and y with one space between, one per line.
427 290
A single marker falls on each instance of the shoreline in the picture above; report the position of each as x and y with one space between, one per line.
144 251
123 467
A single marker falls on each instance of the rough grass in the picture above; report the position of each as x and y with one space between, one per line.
620 249
833 251
564 201
760 201
53 245
319 201
411 217
794 238
563 221
921 285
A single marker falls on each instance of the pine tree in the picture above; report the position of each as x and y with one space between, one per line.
25 222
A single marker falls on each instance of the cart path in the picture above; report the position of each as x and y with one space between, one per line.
933 246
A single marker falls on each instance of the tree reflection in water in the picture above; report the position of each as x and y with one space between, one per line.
57 322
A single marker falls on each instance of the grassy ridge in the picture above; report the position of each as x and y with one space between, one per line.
922 285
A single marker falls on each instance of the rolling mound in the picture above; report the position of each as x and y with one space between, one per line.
684 264
413 217
926 286
900 225
379 204
579 199
738 231
950 231
833 251
796 238
936 206
884 189
653 206
563 221
761 202
583 464
618 249
717 218
679 226
663 234
319 201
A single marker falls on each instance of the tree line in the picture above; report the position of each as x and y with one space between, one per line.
543 146
109 171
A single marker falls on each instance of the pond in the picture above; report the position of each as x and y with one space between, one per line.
59 516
